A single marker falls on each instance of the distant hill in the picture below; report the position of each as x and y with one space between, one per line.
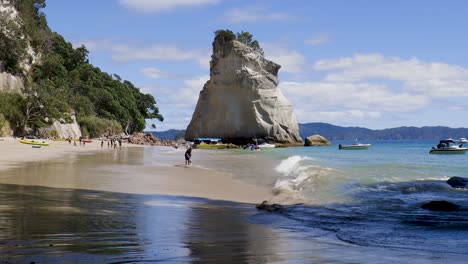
333 132
170 134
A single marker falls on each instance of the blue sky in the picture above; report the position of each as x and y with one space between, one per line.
375 64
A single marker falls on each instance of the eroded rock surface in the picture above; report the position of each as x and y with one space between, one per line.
241 99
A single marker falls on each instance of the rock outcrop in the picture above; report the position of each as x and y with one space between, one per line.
440 206
458 182
150 140
316 140
241 99
65 130
10 83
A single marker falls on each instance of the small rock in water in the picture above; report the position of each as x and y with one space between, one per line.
440 206
458 182
269 207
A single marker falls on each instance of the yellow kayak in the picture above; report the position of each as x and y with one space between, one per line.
32 142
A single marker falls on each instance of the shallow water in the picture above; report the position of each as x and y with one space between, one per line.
359 207
373 197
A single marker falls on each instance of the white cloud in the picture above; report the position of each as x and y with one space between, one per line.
431 78
291 61
162 5
317 40
125 53
177 104
374 86
254 14
154 73
327 97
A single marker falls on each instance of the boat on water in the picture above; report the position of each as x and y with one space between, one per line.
448 146
33 142
354 146
266 145
463 140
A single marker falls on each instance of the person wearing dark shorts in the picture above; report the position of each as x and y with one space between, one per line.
188 156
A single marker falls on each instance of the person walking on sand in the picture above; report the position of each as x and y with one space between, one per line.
188 156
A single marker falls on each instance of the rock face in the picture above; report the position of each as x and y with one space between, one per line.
241 99
11 83
72 130
316 140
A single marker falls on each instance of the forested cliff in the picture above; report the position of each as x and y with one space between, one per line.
58 80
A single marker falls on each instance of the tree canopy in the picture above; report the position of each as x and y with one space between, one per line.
226 35
63 81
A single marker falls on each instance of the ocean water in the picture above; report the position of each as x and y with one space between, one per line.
342 206
372 199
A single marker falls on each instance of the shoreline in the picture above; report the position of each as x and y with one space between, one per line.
62 165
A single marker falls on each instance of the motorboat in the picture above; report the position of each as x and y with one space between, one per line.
354 146
463 140
267 145
448 146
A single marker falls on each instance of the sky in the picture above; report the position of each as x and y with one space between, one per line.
374 64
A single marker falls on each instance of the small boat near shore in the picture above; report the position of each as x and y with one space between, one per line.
267 145
33 142
463 140
448 146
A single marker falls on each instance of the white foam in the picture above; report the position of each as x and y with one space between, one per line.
290 164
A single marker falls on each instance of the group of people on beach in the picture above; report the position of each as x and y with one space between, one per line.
112 142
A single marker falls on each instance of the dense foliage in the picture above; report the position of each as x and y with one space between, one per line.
243 37
63 82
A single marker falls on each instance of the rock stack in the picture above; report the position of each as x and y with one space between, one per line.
241 100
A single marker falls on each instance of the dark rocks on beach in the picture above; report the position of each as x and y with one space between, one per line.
149 139
458 182
265 206
440 206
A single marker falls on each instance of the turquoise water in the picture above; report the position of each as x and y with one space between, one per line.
373 197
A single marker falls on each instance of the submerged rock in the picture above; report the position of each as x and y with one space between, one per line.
265 206
440 206
241 99
458 182
316 140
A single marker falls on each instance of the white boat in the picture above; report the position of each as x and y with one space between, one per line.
463 140
448 146
354 146
266 145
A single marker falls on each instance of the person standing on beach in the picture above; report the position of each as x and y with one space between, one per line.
188 156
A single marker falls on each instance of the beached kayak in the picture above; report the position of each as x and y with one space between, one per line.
33 142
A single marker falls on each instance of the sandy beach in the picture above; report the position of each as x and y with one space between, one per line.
62 165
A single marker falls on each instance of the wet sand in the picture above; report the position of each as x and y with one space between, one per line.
49 225
132 169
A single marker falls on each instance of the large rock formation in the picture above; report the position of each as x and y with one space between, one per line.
241 100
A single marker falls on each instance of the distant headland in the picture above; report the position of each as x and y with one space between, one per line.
333 132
